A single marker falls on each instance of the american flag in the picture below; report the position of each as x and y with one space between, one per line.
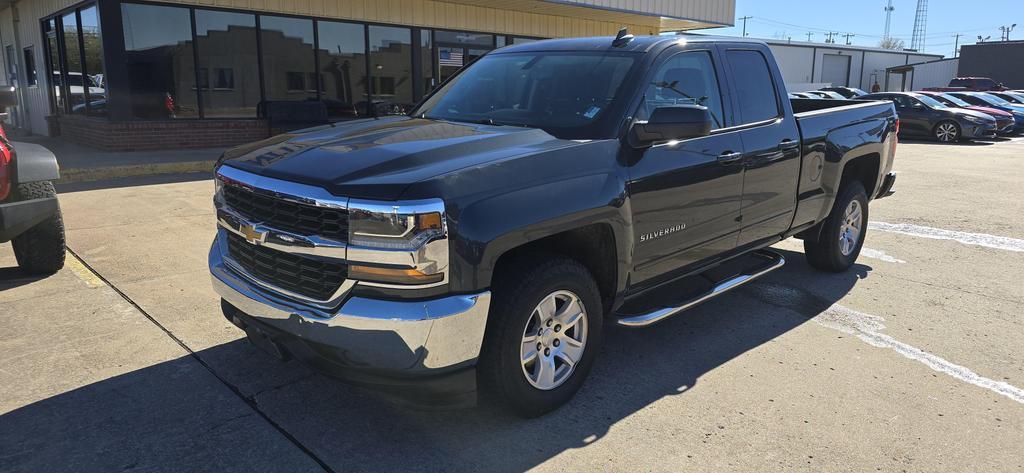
450 58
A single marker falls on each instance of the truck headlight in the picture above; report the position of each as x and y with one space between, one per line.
397 243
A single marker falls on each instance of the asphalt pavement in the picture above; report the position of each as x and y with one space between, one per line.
911 361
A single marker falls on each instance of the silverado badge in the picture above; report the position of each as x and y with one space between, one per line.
662 232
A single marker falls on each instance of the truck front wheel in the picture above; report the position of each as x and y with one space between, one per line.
543 333
40 250
843 231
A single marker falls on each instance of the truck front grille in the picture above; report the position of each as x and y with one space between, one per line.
303 219
315 279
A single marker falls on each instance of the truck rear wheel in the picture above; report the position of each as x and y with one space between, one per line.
843 231
543 333
41 249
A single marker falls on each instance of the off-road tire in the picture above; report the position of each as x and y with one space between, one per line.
517 291
40 250
825 253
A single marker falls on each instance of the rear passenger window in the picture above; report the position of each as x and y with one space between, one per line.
754 86
685 79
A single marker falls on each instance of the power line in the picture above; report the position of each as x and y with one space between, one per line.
848 36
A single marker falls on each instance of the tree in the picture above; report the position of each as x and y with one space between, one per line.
891 43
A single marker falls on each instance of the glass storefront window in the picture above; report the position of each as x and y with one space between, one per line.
342 56
288 60
228 64
91 43
158 54
426 62
468 39
72 81
390 70
53 56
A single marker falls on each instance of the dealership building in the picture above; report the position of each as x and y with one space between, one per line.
135 75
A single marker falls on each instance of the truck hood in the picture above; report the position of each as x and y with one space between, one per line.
379 158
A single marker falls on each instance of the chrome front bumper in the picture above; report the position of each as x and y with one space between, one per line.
387 338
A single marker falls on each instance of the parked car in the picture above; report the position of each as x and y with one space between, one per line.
923 116
30 216
1005 123
848 92
825 94
977 84
1012 97
487 238
805 95
983 99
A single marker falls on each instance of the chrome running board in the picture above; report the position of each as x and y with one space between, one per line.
773 261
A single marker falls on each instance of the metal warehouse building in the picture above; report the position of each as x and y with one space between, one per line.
134 74
809 66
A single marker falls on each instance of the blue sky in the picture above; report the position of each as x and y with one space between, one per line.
866 19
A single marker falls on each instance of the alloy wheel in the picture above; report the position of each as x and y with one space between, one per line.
554 340
946 132
850 229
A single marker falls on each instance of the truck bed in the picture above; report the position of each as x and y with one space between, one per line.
830 132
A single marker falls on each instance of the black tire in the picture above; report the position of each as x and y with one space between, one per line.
41 249
957 135
826 253
517 291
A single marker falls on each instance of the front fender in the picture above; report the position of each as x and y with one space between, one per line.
489 228
34 163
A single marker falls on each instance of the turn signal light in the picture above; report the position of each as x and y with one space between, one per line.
392 276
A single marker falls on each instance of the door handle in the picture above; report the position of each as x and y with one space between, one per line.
729 157
788 144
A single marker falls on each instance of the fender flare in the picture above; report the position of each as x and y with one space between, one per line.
33 163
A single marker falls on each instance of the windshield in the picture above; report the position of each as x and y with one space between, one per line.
992 99
567 94
954 100
930 101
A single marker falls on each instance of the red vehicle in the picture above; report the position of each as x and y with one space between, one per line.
976 84
29 213
1005 122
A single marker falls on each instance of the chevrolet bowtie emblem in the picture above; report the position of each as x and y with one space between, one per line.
251 234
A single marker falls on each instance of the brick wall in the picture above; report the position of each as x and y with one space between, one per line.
106 135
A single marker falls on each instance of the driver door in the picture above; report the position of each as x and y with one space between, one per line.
685 195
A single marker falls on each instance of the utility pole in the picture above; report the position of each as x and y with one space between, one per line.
744 19
809 34
956 43
831 37
1005 35
848 36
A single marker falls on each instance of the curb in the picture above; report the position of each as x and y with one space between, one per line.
73 175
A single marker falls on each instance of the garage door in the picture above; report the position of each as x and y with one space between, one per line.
835 68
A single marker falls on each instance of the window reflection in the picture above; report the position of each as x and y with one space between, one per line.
226 46
342 68
158 53
390 70
73 82
93 47
287 58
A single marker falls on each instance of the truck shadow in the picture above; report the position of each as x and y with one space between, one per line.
136 419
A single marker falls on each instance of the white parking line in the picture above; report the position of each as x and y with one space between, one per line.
868 328
879 255
978 239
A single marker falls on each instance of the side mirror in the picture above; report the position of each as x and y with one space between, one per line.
8 98
671 123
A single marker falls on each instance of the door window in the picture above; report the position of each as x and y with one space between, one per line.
686 79
754 86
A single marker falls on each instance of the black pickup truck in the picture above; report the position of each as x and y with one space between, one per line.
542 193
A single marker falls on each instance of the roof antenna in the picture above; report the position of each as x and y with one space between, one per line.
622 38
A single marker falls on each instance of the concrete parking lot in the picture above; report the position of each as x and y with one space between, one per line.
911 361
